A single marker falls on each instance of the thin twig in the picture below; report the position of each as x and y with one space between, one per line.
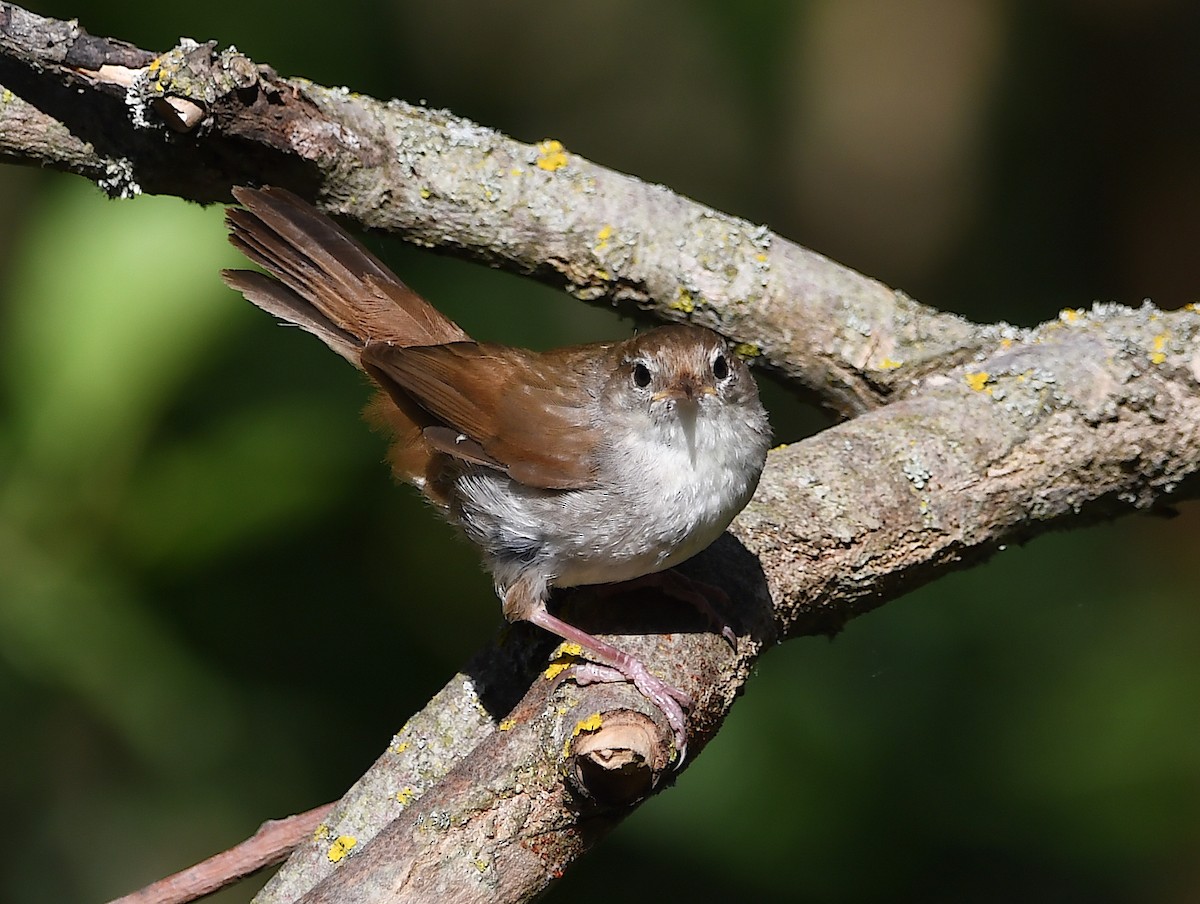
271 844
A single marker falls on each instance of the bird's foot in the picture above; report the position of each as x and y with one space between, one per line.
670 700
617 665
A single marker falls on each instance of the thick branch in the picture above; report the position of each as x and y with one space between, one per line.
442 181
1095 415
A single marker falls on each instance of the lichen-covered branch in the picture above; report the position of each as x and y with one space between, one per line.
967 437
194 121
1088 417
1091 416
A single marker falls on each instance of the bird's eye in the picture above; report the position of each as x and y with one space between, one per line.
641 375
720 367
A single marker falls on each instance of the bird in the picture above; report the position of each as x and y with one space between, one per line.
593 464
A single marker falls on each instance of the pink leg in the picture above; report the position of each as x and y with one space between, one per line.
679 586
621 666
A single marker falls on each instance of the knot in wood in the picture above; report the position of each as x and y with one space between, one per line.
618 762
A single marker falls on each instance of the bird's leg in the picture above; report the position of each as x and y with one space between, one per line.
525 599
677 585
620 666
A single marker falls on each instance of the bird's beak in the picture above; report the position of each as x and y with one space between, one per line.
685 389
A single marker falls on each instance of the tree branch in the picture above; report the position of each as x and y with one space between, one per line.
271 844
1076 425
442 181
968 437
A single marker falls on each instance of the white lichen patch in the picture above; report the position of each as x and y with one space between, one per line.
916 471
118 180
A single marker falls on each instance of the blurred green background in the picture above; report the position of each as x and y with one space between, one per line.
194 522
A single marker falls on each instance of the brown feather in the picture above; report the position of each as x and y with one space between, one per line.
326 267
276 298
530 416
325 282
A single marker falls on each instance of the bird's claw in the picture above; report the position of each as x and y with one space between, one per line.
671 701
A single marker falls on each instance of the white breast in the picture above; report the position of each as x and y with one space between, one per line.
676 485
666 489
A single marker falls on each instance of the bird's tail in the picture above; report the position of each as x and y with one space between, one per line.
323 280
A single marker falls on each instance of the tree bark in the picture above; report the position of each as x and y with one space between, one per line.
963 437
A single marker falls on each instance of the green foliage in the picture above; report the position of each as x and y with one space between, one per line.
104 323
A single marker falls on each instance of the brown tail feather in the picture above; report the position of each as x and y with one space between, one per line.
276 298
325 281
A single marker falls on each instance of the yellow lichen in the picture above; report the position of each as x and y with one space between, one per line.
761 257
602 237
592 723
507 724
1068 315
978 381
564 657
480 864
683 302
342 845
426 194
1158 356
321 833
747 350
405 796
551 155
400 748
890 364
